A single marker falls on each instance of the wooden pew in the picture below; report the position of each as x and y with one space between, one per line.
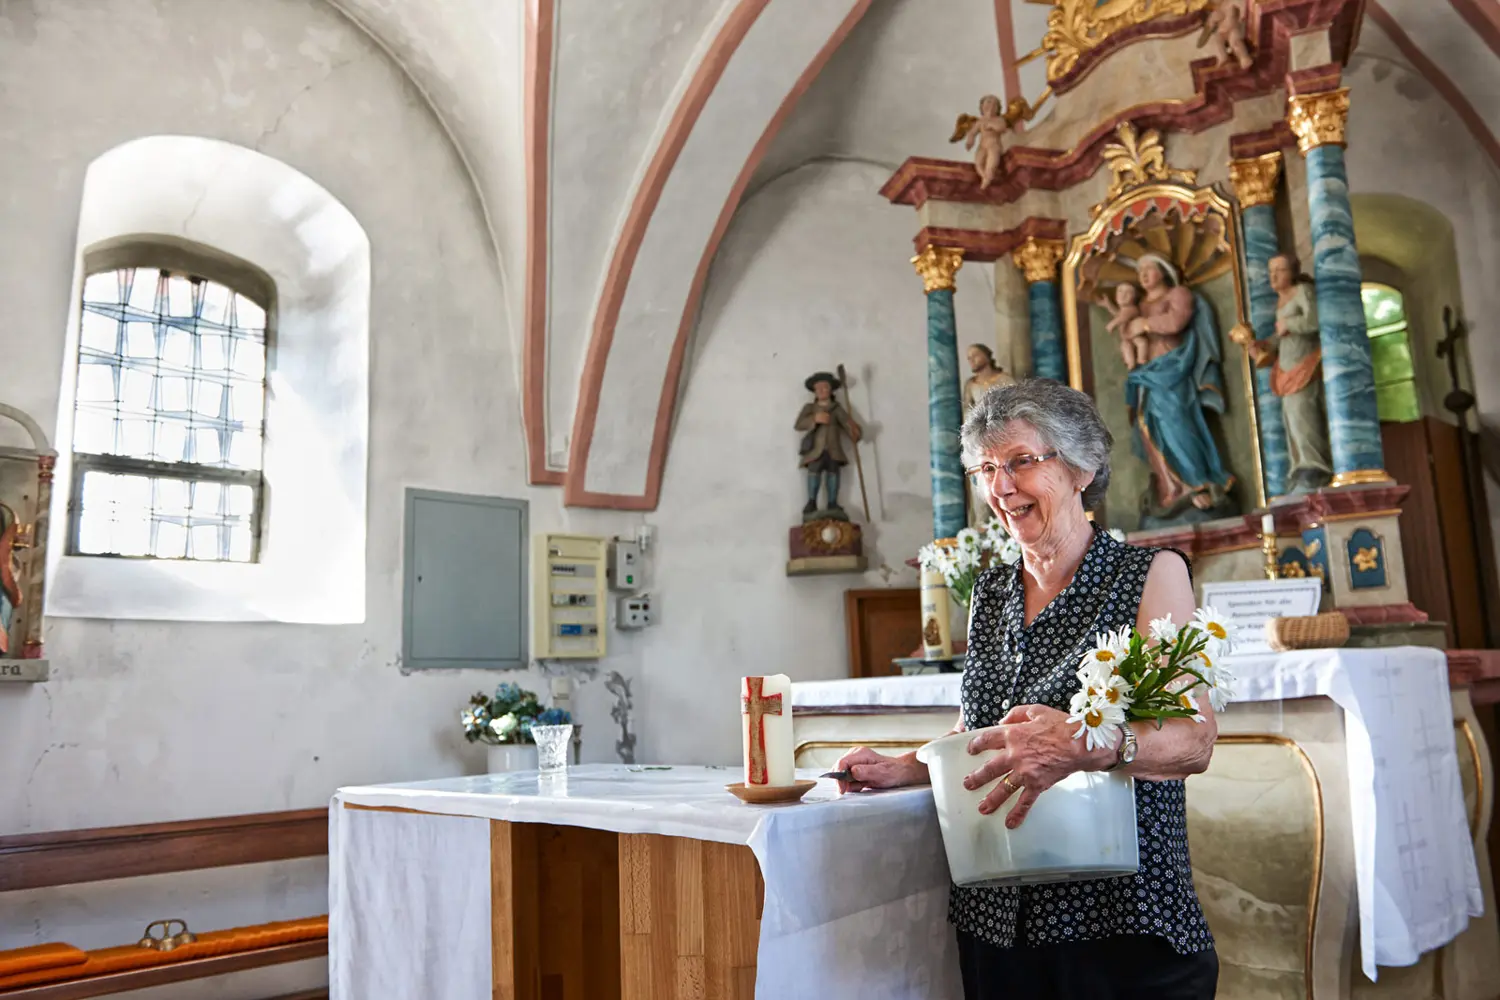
72 857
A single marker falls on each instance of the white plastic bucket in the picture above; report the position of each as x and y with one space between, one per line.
1081 828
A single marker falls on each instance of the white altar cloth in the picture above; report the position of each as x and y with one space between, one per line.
919 691
1417 882
1415 872
856 888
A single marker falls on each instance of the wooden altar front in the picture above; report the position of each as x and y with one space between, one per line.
584 913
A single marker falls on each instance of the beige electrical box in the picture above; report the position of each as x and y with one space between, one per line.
570 617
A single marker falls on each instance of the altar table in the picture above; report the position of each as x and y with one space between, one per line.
635 883
1338 834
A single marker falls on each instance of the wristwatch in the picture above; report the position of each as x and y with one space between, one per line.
1126 752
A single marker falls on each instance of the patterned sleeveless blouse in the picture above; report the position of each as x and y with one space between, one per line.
1010 663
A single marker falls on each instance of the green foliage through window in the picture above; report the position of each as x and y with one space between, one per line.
1390 349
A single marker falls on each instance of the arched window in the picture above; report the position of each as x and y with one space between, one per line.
1390 348
214 403
170 406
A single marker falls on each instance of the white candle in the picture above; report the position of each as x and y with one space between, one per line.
1267 524
766 728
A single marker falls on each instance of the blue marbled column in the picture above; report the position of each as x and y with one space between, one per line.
1261 244
1348 372
1047 357
944 415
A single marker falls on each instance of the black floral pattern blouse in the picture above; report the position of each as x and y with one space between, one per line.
1010 663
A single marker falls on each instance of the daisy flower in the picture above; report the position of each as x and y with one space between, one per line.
1116 691
1109 649
968 540
1163 629
1208 620
1098 724
1220 681
1189 703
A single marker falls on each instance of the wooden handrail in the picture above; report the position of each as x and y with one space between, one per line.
70 857
174 972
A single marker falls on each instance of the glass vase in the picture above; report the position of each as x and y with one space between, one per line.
552 746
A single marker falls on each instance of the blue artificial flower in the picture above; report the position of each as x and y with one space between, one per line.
554 717
508 692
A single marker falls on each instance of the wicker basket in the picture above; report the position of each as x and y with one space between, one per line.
1323 631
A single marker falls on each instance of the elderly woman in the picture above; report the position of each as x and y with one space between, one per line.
1040 453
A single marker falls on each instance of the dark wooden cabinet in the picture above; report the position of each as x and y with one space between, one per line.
883 624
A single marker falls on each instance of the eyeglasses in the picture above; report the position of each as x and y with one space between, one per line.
1014 467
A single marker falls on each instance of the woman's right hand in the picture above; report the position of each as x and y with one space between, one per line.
868 769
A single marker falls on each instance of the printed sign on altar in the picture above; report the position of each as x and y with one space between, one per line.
1249 604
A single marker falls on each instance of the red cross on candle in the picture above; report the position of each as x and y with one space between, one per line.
755 705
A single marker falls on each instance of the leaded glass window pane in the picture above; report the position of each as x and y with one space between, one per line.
162 517
168 430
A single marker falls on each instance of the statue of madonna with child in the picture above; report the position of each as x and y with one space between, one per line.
1170 342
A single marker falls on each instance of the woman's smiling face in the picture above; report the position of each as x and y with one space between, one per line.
1033 502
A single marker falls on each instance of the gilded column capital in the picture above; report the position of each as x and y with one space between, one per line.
937 266
1038 259
1319 119
1255 180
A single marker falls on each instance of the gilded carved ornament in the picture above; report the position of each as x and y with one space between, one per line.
937 266
1038 259
1255 180
1360 477
1076 26
1319 119
1136 160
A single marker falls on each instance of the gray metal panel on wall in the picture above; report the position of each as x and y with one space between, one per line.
464 595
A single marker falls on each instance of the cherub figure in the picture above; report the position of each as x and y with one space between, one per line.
1225 28
988 129
1124 308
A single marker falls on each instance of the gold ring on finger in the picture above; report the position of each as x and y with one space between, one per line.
1006 781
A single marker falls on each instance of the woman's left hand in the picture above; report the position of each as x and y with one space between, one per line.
1037 750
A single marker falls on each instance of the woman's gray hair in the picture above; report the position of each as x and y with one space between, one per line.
1065 418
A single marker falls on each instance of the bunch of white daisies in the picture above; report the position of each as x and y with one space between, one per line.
1128 677
963 558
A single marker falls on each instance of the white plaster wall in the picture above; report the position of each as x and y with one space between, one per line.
774 314
146 721
1394 112
895 87
618 67
467 57
1030 23
149 721
783 40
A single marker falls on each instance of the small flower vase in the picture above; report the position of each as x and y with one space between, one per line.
505 757
937 639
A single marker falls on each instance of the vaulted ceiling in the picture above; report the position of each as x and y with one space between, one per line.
611 141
